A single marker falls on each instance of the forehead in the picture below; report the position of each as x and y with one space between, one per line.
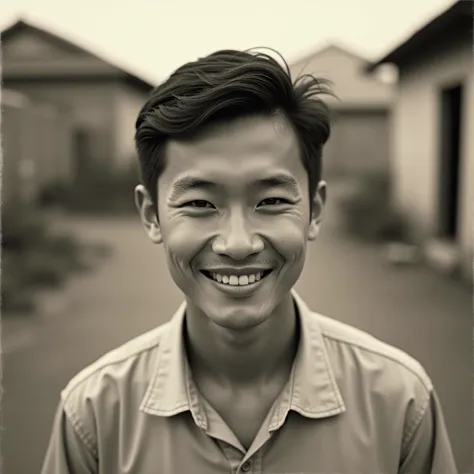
236 152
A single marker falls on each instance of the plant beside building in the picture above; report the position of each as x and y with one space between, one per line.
35 258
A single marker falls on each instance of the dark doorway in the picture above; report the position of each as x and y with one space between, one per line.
82 154
450 147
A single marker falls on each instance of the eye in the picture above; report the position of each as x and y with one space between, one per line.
274 201
199 204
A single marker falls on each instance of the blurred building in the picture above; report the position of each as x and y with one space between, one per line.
66 109
433 135
36 145
359 142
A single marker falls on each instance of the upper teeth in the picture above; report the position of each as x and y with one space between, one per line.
237 280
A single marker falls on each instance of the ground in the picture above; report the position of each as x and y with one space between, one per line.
421 312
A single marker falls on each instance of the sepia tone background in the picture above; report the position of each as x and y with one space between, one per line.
79 276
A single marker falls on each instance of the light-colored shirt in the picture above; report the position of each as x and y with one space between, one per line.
352 405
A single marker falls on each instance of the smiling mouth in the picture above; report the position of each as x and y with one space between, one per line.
234 280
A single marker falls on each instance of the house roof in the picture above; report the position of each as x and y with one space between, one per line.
354 90
460 14
325 48
22 26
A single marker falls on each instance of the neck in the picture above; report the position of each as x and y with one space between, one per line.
243 358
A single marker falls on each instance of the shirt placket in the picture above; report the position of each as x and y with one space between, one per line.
252 460
240 461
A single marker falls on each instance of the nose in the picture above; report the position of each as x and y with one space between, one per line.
237 239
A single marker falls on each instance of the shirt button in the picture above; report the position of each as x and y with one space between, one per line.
246 466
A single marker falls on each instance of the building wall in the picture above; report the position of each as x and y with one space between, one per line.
416 125
127 103
13 143
36 146
91 107
359 143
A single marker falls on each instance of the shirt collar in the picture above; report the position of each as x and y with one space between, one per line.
312 391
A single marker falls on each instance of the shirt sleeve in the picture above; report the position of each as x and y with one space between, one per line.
67 451
428 450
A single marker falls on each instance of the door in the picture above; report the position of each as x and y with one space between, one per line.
450 157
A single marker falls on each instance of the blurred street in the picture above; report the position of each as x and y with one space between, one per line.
399 162
419 311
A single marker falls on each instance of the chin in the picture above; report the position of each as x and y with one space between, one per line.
238 319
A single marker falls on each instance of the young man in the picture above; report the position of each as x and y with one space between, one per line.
245 377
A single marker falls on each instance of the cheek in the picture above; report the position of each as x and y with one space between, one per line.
289 239
182 241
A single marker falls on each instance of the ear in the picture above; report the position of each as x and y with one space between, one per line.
319 202
146 209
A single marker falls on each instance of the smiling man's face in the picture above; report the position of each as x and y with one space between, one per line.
233 208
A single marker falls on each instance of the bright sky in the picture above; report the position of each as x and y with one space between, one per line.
151 38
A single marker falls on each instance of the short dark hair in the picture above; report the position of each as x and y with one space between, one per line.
228 85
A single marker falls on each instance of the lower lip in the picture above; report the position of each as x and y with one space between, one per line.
237 290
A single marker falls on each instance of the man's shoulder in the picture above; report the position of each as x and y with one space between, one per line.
133 359
348 345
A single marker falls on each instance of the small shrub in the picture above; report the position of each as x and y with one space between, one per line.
34 258
44 269
368 213
16 295
54 194
21 300
22 228
105 189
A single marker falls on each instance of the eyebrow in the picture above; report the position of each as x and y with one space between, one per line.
190 183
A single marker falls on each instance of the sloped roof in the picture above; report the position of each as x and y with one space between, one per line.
354 90
460 15
63 44
323 49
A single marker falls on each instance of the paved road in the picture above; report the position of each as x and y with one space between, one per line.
413 308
